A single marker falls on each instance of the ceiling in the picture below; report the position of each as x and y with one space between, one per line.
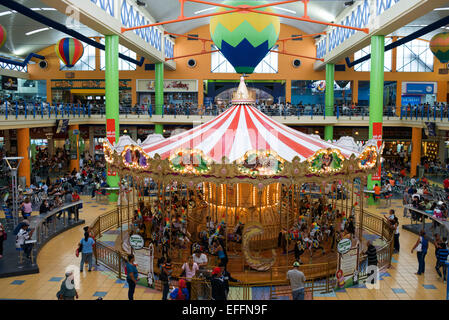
323 10
19 45
424 21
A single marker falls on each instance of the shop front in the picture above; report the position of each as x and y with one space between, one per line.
416 93
30 91
175 91
87 91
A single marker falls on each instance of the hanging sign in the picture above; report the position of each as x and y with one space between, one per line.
377 135
344 246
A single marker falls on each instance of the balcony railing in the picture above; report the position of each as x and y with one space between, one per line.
44 110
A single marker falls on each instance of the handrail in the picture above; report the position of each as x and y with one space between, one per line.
61 110
115 260
44 230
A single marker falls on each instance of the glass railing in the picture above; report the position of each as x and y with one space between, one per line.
16 110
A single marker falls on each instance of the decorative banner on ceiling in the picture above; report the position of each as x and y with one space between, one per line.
148 85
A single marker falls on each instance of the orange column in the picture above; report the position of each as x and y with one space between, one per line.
416 150
74 163
355 91
398 97
442 91
23 145
200 93
288 90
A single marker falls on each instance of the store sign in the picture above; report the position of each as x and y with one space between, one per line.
136 242
411 100
9 83
344 246
87 84
420 88
110 130
377 135
146 85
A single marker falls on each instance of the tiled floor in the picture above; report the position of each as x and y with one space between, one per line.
398 283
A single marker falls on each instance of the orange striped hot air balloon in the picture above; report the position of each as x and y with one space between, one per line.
2 36
69 51
439 45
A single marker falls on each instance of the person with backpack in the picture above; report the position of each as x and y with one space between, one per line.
442 254
180 293
86 248
421 247
131 276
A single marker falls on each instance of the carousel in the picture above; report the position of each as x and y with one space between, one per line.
245 189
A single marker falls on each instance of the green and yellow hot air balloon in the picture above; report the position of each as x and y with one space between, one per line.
439 45
244 38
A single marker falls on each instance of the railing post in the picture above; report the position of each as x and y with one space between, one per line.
6 110
402 110
434 114
119 266
338 112
428 113
62 110
441 113
88 110
42 110
49 110
17 110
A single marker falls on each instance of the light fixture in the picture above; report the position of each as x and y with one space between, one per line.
349 3
125 131
317 132
204 10
286 10
36 31
140 3
441 9
356 133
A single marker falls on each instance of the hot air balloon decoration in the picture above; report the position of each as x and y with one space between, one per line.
2 35
244 39
439 45
69 51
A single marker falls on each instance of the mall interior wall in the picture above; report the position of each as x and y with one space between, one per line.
202 70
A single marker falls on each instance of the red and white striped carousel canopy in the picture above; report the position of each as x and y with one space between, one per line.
240 129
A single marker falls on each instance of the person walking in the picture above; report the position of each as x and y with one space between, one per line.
67 291
442 254
371 253
86 247
131 276
297 281
421 248
26 208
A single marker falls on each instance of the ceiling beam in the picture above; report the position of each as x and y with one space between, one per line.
399 15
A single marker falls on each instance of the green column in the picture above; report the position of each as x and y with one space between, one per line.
159 94
112 97
376 88
329 99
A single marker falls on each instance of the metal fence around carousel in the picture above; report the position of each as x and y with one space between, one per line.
274 285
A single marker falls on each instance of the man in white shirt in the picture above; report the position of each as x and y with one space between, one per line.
22 236
200 259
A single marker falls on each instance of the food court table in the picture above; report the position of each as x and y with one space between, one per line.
444 224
